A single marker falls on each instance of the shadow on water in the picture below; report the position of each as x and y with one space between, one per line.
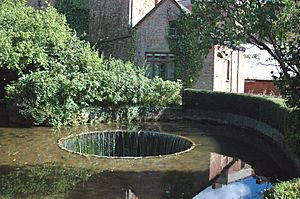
145 185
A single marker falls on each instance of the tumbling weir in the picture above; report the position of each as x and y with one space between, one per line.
126 144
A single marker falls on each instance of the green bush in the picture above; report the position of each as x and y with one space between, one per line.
29 39
52 98
77 14
289 189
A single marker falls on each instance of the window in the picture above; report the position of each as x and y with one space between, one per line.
160 64
173 29
228 71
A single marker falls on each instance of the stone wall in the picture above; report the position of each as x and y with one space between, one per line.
109 26
205 79
3 114
152 32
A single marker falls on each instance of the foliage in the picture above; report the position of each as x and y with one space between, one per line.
31 39
188 53
61 98
270 25
77 14
39 180
289 189
286 120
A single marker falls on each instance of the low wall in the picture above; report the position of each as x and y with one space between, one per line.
3 113
269 119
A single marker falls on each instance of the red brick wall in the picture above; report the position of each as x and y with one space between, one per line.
266 87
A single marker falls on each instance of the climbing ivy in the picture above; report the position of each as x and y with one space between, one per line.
188 53
132 45
77 14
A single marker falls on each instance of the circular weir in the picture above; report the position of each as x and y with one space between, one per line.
126 144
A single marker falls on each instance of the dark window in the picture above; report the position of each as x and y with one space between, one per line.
173 29
160 64
228 71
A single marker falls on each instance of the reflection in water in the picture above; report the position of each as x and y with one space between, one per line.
183 176
233 179
243 189
130 195
142 185
228 178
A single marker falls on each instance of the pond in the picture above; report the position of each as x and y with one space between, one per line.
224 160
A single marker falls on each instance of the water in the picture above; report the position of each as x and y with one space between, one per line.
180 176
126 144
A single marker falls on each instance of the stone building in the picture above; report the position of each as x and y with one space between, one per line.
223 74
139 30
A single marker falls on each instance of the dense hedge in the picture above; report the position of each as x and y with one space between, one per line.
286 121
289 189
254 107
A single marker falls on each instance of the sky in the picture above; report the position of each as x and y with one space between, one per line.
260 67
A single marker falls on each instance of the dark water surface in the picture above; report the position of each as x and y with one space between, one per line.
224 159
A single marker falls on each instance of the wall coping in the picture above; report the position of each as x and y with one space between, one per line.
270 133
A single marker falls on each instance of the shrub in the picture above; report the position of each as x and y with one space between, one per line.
77 14
30 38
70 97
289 189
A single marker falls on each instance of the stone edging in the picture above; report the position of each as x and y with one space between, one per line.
173 114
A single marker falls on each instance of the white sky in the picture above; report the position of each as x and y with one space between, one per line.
258 68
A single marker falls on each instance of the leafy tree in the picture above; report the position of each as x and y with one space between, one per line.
271 25
77 14
32 40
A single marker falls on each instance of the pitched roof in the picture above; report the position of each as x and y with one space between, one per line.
179 5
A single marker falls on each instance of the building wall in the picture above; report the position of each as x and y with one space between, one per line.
214 75
152 32
110 24
228 78
205 80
